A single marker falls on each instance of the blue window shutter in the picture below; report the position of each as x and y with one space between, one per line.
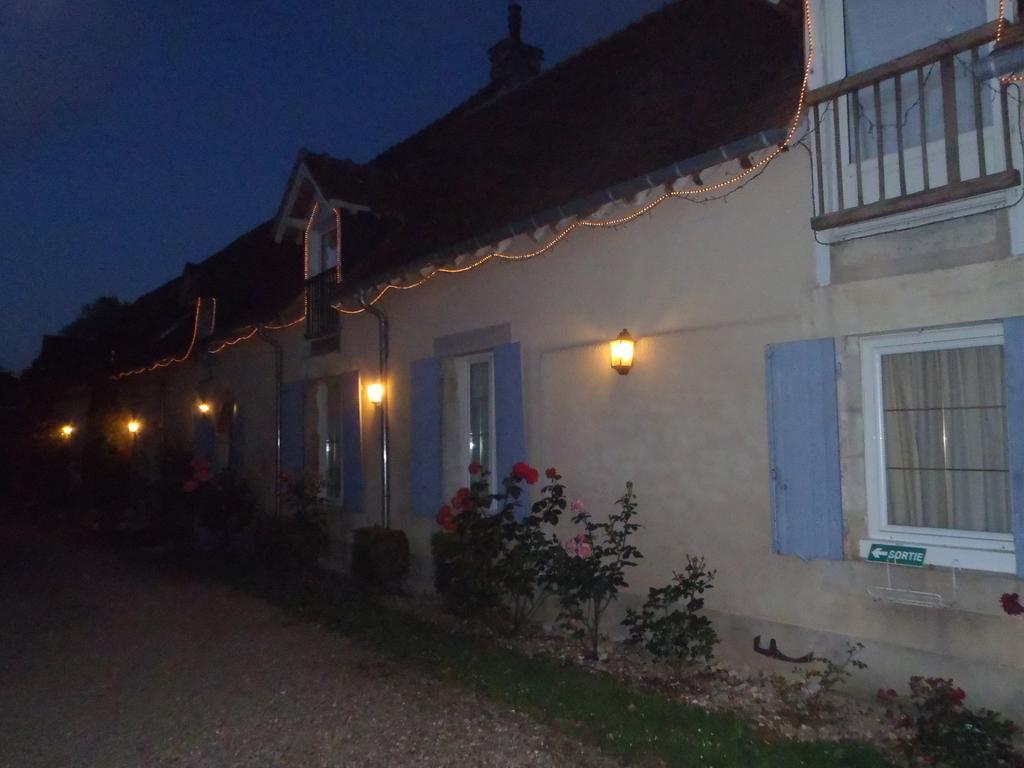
205 439
293 398
425 438
1013 351
803 435
351 442
510 437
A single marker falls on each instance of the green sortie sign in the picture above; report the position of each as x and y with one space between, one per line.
897 554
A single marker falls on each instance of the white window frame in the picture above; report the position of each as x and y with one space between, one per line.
829 27
976 550
463 364
322 447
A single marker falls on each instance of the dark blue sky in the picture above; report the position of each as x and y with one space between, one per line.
136 135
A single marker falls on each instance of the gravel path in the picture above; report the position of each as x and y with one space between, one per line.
102 664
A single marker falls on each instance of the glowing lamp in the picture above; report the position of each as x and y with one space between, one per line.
134 426
375 392
203 407
621 348
67 431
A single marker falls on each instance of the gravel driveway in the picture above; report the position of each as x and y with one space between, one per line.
104 664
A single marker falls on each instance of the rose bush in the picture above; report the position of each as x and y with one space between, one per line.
490 557
937 728
588 571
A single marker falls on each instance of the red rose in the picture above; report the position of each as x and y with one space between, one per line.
446 519
551 473
475 469
523 471
1011 603
462 500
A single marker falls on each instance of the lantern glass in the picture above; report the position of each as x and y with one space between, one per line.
375 392
67 431
621 349
203 406
134 426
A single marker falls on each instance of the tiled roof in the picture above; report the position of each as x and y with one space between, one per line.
691 77
254 279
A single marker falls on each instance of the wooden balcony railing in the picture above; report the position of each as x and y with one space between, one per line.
913 132
321 293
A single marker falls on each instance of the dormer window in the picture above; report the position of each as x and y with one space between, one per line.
904 133
328 249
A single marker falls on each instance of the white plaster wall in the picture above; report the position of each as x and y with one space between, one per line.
704 288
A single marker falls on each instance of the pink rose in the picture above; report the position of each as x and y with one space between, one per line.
578 506
578 546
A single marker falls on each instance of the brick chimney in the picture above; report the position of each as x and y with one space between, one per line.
513 62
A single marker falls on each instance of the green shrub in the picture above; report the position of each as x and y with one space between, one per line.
670 624
223 503
297 539
936 728
810 695
380 558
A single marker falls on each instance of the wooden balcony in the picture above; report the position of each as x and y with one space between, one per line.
913 132
321 293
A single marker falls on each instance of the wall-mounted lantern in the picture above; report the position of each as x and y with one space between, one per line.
134 425
66 431
621 348
375 392
203 407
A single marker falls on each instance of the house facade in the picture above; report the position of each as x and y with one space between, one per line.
828 384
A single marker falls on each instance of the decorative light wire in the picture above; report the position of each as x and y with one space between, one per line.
337 245
213 316
305 256
1000 29
163 363
231 342
699 190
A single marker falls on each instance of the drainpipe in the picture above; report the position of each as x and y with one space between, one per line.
385 484
278 375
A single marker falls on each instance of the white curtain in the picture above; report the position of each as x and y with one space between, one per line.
945 439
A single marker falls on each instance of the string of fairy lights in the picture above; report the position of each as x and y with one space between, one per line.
168 361
1000 29
700 190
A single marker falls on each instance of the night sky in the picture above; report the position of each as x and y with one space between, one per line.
136 135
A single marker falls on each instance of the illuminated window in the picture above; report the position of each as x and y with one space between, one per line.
328 406
935 441
328 249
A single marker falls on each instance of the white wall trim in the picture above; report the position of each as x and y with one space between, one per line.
934 214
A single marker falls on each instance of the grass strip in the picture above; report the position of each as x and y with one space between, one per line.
637 727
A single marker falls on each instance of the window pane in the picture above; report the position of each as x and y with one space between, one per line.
945 439
328 250
480 413
881 30
907 26
332 442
